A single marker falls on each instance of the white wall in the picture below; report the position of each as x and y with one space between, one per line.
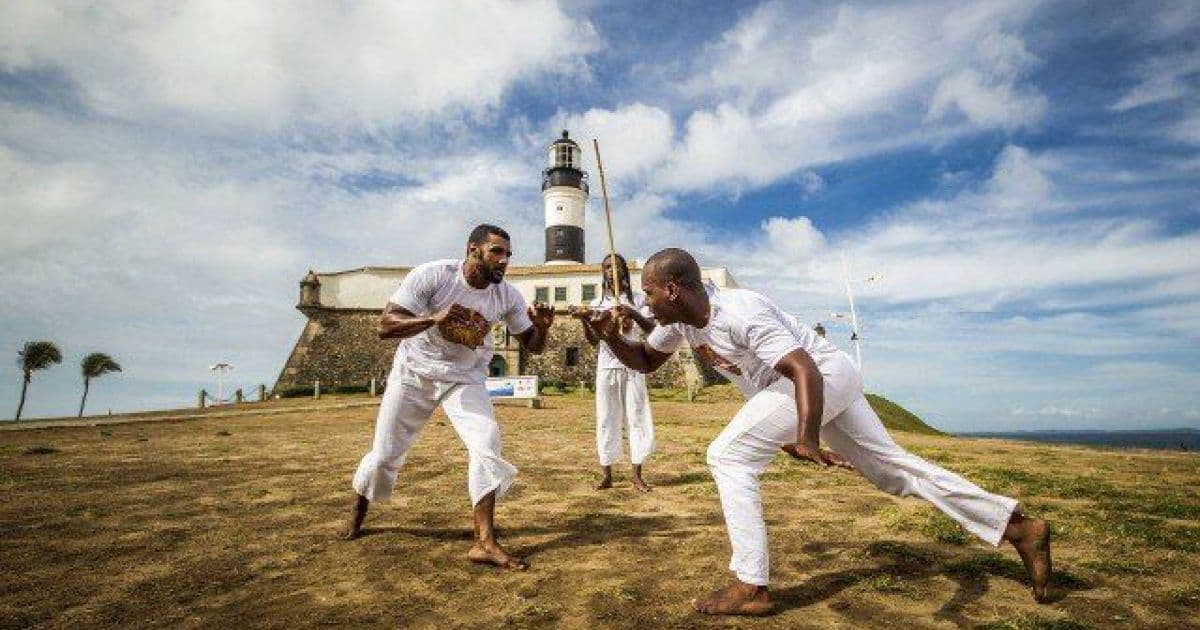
370 288
574 283
364 288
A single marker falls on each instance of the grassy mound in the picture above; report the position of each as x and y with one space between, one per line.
897 418
894 417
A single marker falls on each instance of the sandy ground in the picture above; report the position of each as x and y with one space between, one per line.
231 521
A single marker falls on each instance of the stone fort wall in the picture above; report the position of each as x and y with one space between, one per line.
341 348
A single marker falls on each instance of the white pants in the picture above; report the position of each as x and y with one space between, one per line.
621 397
408 402
850 427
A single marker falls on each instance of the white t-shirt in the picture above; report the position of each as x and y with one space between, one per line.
436 285
605 359
746 335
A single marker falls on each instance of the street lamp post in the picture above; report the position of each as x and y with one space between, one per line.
854 330
220 369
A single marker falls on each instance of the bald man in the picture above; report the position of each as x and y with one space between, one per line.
800 389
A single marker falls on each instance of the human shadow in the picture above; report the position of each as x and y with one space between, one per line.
971 570
432 533
604 527
685 479
585 529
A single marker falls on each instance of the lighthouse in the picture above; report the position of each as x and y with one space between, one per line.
564 193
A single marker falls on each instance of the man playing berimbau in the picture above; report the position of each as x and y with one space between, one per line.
443 313
800 389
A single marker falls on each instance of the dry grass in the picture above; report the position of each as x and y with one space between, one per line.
230 522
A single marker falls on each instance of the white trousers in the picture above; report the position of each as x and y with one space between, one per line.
408 402
621 398
852 429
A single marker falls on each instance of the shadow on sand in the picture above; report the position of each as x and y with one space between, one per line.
971 571
591 528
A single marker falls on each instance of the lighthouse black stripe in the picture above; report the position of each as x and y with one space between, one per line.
564 242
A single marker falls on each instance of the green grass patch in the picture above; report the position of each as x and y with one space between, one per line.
938 455
941 528
1166 505
888 584
1123 529
927 521
1024 483
897 418
1034 623
1119 566
1186 594
981 564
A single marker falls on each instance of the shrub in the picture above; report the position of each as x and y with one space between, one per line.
296 392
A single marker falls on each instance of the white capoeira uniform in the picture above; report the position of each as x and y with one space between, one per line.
621 397
746 336
429 371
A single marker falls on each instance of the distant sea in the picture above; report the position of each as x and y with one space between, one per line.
1170 439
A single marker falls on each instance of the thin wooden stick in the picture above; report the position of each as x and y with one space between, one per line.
612 248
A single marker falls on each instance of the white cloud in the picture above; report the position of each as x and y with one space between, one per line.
1186 130
812 182
797 87
1162 79
796 236
265 65
634 139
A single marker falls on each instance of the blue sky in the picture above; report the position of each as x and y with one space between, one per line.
1024 175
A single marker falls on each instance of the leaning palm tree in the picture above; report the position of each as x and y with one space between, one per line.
36 355
95 365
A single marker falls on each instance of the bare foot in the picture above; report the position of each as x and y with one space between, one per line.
604 484
491 553
738 598
638 483
358 513
1032 541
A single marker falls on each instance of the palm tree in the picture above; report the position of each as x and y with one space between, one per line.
95 365
36 355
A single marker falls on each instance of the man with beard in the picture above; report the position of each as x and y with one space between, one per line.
443 313
800 390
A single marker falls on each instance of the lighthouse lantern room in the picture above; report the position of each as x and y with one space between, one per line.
564 192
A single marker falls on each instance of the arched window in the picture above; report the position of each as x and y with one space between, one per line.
498 366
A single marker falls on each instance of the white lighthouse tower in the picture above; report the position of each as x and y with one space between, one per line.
565 193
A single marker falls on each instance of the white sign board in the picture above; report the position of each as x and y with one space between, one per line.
513 386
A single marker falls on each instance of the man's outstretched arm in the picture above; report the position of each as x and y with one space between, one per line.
637 356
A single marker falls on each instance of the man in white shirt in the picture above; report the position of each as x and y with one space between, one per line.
621 395
443 313
800 389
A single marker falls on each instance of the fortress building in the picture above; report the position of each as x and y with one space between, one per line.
340 347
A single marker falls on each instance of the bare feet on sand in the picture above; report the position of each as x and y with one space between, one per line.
738 598
493 554
638 483
358 513
605 479
1031 538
